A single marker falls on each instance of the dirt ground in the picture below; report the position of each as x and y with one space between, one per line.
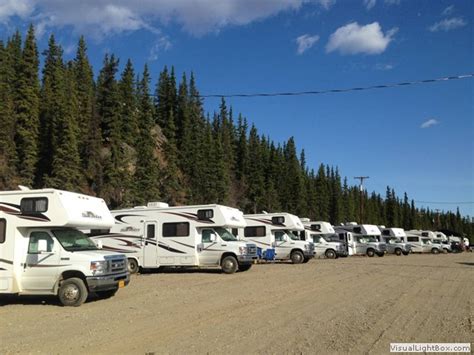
356 305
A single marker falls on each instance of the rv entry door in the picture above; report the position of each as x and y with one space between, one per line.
150 244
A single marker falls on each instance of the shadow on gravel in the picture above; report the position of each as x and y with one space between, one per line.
171 270
469 264
8 300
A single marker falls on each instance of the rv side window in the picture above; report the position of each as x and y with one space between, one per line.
279 236
316 238
341 236
34 205
235 231
357 230
255 231
180 229
412 239
150 231
424 234
386 232
35 237
3 230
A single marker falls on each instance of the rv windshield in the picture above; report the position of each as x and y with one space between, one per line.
291 234
436 241
367 239
74 240
393 240
225 234
331 237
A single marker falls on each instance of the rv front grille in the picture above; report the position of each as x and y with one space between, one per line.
252 249
118 265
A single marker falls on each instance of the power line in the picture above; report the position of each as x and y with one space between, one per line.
448 203
337 91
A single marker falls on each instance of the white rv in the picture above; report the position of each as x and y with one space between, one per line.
157 235
43 252
421 241
274 234
326 241
393 239
361 239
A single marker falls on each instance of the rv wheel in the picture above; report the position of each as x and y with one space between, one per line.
398 252
297 257
435 251
229 265
370 252
72 292
132 266
330 254
406 252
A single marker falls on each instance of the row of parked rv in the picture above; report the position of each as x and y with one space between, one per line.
68 244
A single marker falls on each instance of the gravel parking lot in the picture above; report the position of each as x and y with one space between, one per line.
355 304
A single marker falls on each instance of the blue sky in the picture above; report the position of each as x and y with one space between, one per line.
294 45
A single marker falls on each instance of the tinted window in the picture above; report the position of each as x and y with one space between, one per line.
424 234
150 231
254 231
35 237
385 232
357 230
3 230
412 239
180 229
279 236
235 231
206 235
34 205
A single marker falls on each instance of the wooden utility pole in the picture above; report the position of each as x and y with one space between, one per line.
361 199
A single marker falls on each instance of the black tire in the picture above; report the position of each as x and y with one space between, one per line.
434 251
132 266
370 253
380 254
330 254
72 292
398 251
245 267
297 257
406 252
306 260
107 294
229 264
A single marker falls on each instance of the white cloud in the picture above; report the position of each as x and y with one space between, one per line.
369 4
384 66
161 45
429 123
10 8
448 24
392 2
305 42
448 11
104 17
354 39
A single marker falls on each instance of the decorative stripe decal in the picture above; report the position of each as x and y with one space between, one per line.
166 247
6 261
104 247
121 216
191 216
43 265
186 245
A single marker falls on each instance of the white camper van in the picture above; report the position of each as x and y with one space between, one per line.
421 241
393 239
43 252
361 239
157 235
326 241
274 233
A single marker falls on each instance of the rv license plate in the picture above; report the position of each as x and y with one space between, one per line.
121 283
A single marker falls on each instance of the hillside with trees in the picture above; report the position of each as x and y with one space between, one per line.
120 137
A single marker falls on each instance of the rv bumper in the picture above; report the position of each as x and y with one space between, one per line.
107 282
309 254
246 259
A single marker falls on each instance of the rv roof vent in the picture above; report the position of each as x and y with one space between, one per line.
264 212
352 224
139 207
157 205
304 219
23 188
381 226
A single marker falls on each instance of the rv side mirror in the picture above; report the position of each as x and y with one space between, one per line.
212 237
99 244
42 246
286 238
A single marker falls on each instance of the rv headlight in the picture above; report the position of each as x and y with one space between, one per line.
99 267
243 250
